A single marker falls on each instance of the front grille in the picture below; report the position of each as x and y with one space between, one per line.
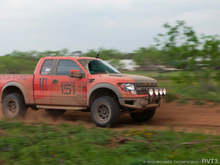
142 88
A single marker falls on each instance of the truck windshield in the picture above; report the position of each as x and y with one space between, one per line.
98 66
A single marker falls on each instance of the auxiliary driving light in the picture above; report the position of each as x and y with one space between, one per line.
161 91
156 91
151 92
164 91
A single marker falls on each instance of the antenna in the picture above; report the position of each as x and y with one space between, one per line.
97 55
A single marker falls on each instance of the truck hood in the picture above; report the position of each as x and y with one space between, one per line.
137 79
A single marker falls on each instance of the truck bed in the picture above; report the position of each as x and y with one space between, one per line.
23 81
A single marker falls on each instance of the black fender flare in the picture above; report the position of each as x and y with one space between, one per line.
103 85
18 85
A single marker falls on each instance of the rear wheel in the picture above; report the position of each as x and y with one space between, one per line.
146 115
13 106
55 112
105 111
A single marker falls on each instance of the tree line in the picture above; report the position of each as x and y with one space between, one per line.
179 47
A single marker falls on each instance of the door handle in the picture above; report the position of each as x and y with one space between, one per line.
55 81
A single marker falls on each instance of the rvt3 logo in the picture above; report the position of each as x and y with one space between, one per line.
210 161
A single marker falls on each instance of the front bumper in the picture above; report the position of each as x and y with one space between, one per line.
140 103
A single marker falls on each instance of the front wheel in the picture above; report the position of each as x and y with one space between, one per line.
55 112
105 111
146 115
13 106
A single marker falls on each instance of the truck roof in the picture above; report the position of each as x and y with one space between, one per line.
67 57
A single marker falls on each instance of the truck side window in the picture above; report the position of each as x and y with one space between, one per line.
46 67
65 66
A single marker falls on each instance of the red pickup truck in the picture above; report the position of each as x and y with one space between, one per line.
87 84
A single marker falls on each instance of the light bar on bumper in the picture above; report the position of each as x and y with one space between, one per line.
157 92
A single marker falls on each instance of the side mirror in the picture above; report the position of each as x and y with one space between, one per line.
76 74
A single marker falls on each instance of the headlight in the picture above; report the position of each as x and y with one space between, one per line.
156 91
164 91
151 92
161 92
129 87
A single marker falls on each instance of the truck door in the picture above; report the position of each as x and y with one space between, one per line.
42 83
65 89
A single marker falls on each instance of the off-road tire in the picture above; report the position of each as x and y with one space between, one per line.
55 112
105 111
143 116
13 106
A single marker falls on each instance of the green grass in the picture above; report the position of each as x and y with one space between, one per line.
183 92
64 144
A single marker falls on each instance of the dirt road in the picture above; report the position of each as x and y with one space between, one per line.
190 118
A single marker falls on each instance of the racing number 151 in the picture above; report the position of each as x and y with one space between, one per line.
67 89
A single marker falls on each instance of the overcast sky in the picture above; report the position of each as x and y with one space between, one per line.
125 25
